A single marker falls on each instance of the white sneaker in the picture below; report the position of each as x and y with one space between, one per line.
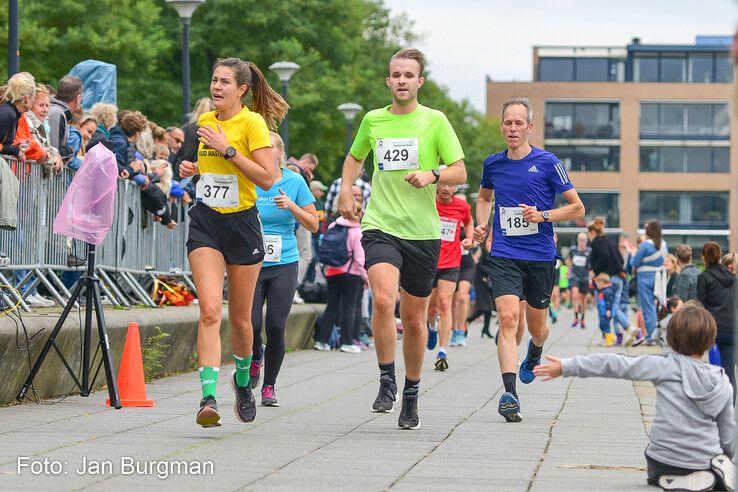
350 349
297 299
322 347
629 336
36 300
725 469
697 481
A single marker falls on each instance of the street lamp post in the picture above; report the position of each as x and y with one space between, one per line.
349 111
185 8
285 70
13 45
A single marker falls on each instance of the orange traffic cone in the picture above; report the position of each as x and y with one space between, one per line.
131 385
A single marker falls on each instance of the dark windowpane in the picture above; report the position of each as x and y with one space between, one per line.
594 121
671 119
646 69
673 69
723 69
559 120
700 68
685 210
721 159
556 69
700 119
722 120
672 159
699 159
650 159
606 205
587 157
649 119
593 69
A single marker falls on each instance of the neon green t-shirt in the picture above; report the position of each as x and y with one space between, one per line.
564 277
402 144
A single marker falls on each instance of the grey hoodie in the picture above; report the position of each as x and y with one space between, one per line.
694 418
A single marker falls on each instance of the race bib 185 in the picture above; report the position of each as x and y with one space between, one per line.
513 223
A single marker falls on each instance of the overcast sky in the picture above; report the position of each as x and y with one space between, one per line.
465 40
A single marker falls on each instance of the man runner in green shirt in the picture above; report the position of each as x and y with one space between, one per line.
401 229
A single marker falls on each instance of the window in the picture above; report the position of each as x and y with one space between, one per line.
593 69
695 241
556 69
582 120
678 120
604 204
587 157
673 69
685 210
646 69
723 69
700 68
685 159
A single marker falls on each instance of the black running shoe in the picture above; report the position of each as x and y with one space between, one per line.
386 397
208 415
245 407
409 414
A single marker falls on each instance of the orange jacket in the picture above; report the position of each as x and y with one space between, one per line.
35 152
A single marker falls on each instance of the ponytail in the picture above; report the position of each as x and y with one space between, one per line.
267 102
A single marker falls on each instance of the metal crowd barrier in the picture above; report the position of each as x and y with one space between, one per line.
134 253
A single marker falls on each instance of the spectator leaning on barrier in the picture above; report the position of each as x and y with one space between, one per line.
188 150
17 98
83 126
68 98
685 286
107 118
717 290
38 125
132 124
175 139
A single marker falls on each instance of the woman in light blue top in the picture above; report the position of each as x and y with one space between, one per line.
285 205
648 266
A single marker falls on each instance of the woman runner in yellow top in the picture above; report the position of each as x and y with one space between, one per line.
225 232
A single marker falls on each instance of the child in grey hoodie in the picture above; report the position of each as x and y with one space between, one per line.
693 432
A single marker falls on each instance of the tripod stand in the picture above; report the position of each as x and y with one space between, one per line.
92 294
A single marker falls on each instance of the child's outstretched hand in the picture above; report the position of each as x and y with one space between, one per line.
549 371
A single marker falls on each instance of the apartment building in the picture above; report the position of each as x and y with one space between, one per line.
646 131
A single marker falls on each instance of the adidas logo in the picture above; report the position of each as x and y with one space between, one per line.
533 169
255 251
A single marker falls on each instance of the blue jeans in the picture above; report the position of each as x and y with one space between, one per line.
646 300
618 313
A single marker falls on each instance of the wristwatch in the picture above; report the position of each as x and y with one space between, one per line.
437 174
229 153
546 215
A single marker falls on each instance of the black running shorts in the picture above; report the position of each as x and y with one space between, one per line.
417 260
448 274
528 280
236 235
582 283
468 269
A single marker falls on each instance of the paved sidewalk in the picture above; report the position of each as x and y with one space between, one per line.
575 435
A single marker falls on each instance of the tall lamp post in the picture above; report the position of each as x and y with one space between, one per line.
13 45
285 70
185 8
349 110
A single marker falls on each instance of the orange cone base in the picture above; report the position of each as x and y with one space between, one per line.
132 403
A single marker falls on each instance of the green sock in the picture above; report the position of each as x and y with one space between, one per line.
209 380
243 365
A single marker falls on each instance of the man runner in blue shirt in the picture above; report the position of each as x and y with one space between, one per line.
524 180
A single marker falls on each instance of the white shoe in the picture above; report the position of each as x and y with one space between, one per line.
629 336
697 481
297 299
350 349
36 300
725 469
322 347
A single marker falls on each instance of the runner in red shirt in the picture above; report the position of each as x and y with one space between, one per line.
455 213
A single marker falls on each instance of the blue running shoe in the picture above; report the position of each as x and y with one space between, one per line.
432 337
454 339
509 407
526 367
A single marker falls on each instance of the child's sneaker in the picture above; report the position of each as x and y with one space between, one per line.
725 470
609 339
698 481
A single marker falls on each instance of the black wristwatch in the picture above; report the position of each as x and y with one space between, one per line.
546 215
437 174
229 153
